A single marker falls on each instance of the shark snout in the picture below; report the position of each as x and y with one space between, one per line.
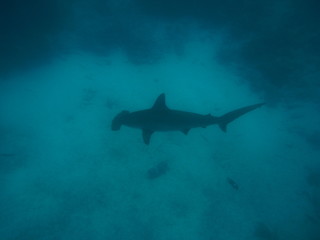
118 120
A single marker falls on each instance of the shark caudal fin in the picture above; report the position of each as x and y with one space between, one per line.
227 118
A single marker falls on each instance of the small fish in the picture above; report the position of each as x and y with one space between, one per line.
158 170
233 184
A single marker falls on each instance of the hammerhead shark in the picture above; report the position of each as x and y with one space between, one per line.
160 118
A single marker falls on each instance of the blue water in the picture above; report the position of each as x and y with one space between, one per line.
68 67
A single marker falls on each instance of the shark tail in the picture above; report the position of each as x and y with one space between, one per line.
227 118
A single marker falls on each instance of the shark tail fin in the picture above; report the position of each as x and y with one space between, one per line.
227 118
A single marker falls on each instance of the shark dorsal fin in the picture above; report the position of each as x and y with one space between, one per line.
160 103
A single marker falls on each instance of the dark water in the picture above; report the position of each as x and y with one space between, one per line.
68 67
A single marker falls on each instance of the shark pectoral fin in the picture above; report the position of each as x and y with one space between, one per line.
185 131
146 134
223 127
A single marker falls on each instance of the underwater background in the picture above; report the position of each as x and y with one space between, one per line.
68 67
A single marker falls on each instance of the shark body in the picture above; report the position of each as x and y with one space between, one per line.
160 118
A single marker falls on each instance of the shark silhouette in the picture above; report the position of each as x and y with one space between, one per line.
160 118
